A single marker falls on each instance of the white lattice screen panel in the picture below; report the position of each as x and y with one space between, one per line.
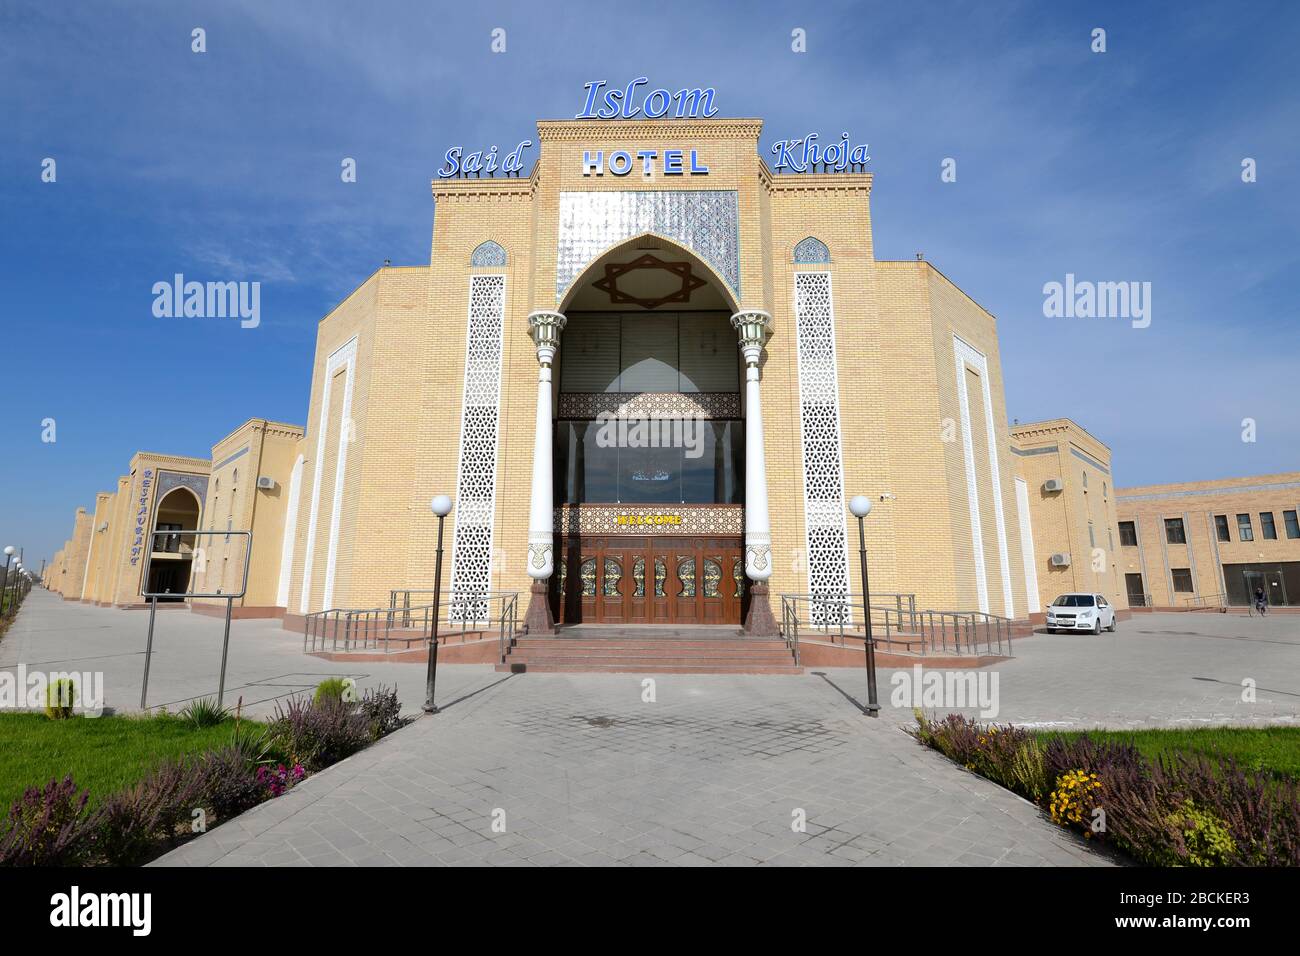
471 550
819 419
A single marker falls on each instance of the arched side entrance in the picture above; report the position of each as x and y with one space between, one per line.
648 438
173 554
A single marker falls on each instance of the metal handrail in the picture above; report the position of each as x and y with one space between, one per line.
359 628
1207 600
836 616
901 606
833 615
966 629
379 627
790 627
1140 600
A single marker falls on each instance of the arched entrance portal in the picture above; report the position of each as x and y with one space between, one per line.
649 444
173 554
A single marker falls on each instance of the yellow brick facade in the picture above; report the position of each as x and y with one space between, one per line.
1079 519
960 516
1212 567
394 353
258 449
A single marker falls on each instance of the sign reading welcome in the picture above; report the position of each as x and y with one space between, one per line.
636 519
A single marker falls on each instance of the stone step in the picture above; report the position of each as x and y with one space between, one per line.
666 647
784 657
586 666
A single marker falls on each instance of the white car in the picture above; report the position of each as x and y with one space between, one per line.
1080 612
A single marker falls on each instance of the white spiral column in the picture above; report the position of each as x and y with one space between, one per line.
754 326
544 327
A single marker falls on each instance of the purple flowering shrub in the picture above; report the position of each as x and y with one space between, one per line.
1176 810
46 826
280 779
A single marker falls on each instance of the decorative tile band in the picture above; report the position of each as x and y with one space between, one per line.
706 221
650 404
471 553
819 419
649 519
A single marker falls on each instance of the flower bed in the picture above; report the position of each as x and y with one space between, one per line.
58 825
1175 809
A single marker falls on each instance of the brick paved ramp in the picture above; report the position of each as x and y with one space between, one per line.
583 772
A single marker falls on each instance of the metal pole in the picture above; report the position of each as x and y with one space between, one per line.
225 649
148 652
4 582
873 705
431 674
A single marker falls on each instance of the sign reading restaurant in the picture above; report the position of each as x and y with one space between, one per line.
605 102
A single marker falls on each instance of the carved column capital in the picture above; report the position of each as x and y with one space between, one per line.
545 326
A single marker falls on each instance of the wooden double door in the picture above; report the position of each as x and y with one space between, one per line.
624 579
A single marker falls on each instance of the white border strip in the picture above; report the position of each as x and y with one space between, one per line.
290 534
964 352
344 355
1033 603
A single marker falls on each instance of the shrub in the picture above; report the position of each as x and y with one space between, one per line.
229 780
383 711
317 735
1206 837
60 695
1175 811
1007 754
280 779
46 826
1028 775
204 712
137 823
329 690
134 824
1075 798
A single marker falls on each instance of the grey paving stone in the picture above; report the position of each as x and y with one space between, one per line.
708 774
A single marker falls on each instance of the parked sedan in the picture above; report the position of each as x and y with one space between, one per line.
1080 612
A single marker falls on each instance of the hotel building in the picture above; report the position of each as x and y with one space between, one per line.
650 375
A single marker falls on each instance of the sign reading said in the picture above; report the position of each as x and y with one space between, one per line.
459 163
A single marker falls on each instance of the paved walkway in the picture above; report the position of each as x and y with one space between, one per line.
1156 670
266 663
579 770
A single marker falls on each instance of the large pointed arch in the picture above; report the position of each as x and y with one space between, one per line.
621 249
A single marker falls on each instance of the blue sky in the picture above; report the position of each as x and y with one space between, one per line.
1116 166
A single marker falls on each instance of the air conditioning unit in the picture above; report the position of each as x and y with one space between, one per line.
265 482
1053 484
1060 560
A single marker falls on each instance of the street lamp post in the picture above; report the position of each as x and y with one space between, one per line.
4 581
861 507
441 506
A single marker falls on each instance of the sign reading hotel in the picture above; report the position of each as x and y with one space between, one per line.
605 102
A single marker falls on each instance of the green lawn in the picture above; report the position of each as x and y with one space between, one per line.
1275 750
104 754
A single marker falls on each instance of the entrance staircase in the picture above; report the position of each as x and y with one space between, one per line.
658 649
